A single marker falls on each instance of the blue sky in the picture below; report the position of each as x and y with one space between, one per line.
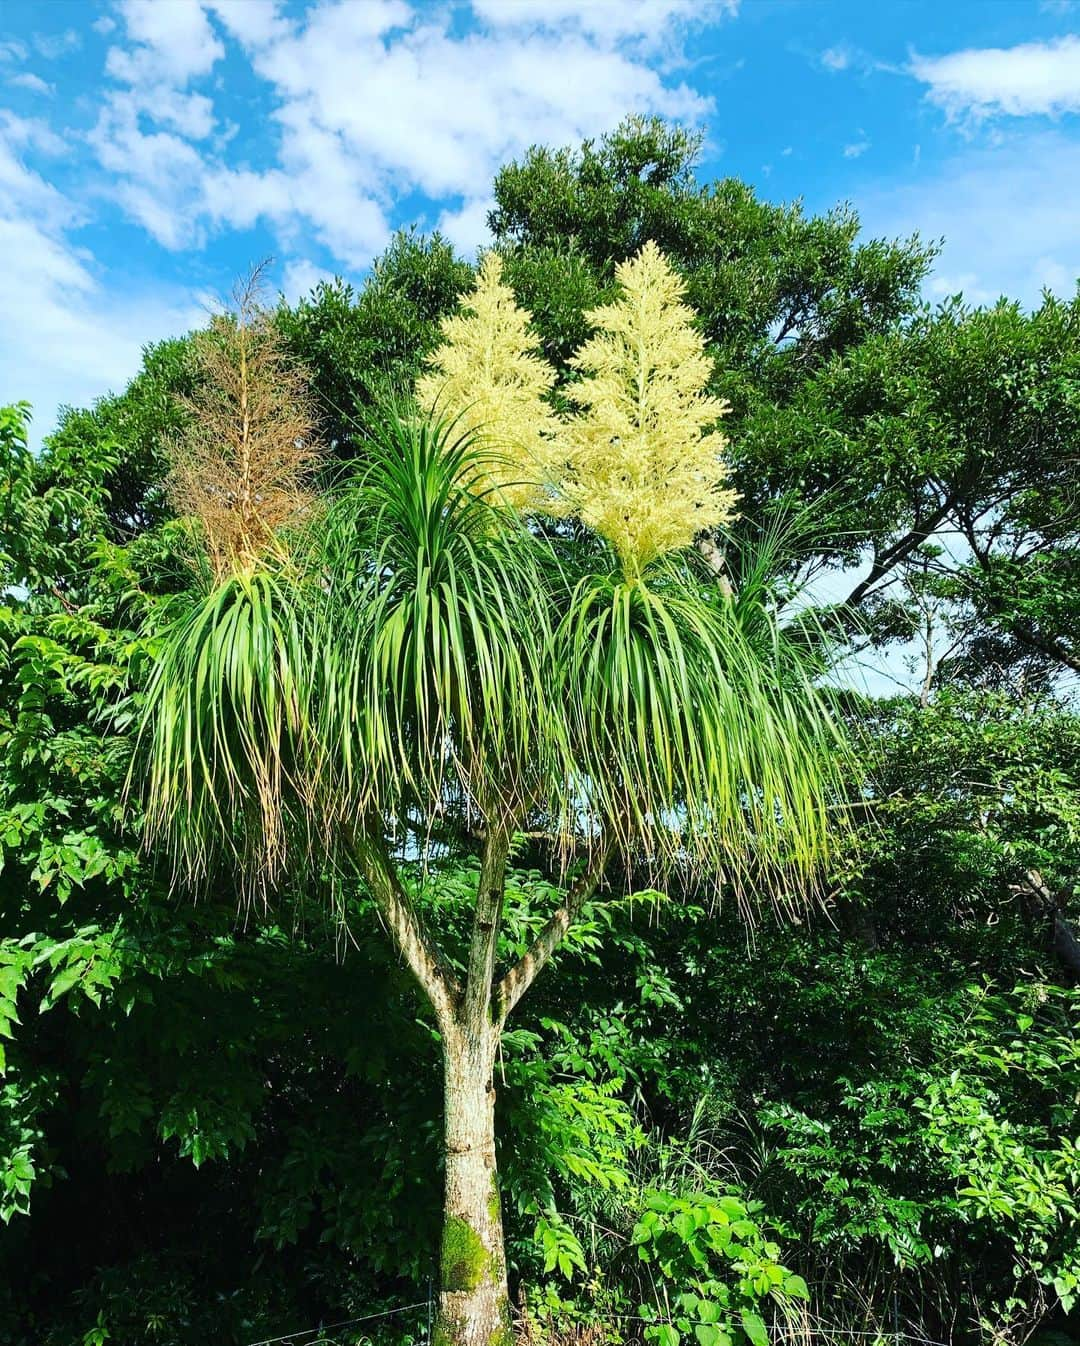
151 150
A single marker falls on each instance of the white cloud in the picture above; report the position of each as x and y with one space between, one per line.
28 80
610 22
837 58
856 149
173 41
300 276
373 102
20 186
158 176
1007 212
172 45
1035 78
75 338
79 338
252 22
54 45
467 226
463 104
324 184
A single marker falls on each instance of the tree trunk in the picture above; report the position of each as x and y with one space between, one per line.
474 1304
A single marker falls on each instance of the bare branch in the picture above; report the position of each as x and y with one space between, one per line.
714 559
487 917
396 907
893 555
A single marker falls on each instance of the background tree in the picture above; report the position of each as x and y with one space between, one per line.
363 348
892 422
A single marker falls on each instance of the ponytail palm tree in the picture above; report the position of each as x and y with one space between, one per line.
427 650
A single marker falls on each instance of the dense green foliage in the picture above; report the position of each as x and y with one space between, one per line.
214 1128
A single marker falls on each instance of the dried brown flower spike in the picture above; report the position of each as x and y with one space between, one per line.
243 463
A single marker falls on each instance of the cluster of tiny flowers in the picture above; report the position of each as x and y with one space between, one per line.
489 380
640 461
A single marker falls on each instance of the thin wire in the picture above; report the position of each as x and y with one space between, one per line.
331 1327
810 1331
813 1331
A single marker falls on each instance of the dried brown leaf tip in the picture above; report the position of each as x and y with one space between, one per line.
243 464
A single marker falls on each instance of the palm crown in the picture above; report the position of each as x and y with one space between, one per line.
423 648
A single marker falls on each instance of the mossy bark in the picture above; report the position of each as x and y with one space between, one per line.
474 1305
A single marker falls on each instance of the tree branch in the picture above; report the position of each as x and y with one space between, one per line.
487 917
525 971
396 907
1048 645
714 559
893 555
1041 904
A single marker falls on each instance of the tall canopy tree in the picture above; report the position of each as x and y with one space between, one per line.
895 423
419 650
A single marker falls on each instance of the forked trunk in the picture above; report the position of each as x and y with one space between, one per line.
474 1305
